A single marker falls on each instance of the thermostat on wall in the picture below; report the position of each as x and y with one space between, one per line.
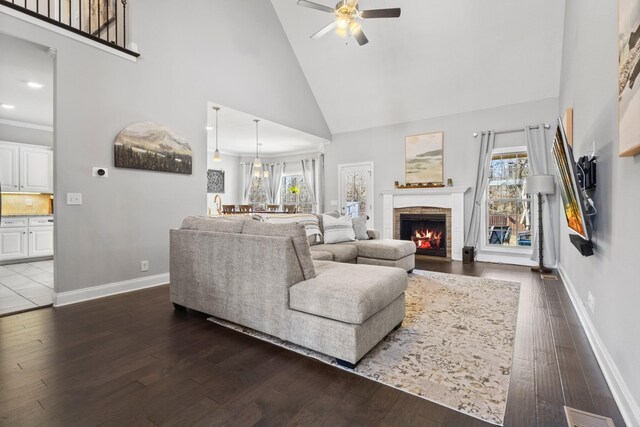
99 172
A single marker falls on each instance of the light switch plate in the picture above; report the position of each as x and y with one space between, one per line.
74 199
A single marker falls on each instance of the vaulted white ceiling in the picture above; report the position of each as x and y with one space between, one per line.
440 57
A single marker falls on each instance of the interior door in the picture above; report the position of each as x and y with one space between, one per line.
356 190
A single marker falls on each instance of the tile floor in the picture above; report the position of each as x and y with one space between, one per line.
24 286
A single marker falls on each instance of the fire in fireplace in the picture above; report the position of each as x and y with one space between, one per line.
427 231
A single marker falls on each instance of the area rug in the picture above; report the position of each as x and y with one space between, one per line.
454 348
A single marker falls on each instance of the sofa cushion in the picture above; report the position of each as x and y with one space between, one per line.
297 234
337 230
321 255
385 248
348 293
343 252
310 222
360 228
202 223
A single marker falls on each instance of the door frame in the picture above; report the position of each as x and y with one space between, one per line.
341 166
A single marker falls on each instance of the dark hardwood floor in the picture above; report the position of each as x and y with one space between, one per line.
131 360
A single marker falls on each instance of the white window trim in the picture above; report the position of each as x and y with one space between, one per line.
370 222
485 247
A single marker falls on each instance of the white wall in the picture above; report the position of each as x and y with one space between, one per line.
192 52
385 146
230 164
612 275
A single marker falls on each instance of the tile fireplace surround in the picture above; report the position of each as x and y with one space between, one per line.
446 198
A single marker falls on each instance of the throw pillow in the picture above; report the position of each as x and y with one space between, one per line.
338 230
360 228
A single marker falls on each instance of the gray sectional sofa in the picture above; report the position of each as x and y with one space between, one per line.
263 276
374 251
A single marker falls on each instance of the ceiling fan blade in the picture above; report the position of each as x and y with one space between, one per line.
324 30
381 13
315 6
356 32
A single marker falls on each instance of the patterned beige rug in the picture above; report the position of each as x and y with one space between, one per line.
454 347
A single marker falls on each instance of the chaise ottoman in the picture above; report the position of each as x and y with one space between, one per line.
387 252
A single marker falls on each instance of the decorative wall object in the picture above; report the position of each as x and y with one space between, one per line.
628 71
423 158
568 125
152 146
215 181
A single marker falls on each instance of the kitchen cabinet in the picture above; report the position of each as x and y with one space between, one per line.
26 168
40 241
9 166
26 237
13 243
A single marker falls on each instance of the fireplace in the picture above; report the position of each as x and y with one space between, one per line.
427 231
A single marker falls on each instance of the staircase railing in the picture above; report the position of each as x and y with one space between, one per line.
103 21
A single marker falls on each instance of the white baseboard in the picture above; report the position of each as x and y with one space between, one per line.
86 294
628 406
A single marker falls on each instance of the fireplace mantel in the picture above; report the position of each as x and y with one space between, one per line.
442 197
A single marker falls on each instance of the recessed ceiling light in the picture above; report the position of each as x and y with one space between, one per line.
7 106
209 128
35 85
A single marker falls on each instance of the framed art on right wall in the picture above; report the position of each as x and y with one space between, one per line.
628 72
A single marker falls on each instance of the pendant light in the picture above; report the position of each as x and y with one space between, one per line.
256 162
216 154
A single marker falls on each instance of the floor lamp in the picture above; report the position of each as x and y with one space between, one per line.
540 184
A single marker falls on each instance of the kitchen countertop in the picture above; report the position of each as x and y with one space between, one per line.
24 215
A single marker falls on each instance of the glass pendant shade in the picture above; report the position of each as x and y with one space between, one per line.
216 156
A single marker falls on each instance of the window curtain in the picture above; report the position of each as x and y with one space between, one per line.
537 149
313 173
487 142
273 181
247 178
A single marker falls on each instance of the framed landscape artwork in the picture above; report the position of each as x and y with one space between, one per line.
423 158
215 181
628 73
152 146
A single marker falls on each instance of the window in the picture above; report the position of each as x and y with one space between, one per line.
508 209
303 199
257 193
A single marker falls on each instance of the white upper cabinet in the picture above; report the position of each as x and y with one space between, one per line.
36 170
9 167
27 168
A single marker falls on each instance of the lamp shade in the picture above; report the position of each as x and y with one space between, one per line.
539 184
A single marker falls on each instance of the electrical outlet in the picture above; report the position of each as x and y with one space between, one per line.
591 302
144 265
28 202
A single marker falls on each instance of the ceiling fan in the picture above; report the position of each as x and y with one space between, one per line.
347 15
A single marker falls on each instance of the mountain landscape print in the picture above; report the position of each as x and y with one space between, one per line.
423 158
152 146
